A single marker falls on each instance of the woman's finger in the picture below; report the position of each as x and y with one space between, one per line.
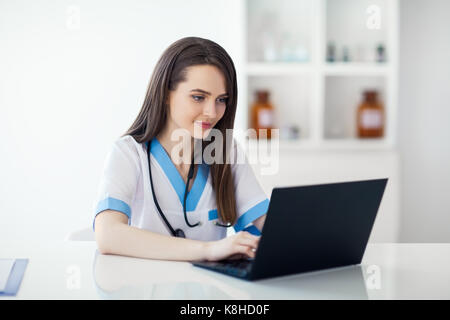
246 250
253 243
237 256
248 235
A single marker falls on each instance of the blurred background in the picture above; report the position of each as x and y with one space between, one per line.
359 89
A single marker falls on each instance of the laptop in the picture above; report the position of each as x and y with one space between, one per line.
310 228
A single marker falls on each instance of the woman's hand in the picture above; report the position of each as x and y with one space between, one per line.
240 245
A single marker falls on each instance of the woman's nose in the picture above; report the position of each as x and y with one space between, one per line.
210 110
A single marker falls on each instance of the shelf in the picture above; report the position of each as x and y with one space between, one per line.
279 68
356 68
328 69
357 144
381 144
319 97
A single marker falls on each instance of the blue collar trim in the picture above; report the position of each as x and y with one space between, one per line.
175 178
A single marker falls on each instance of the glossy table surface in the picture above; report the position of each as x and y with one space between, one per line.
75 270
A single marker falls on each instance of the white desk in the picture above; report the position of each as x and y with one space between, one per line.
75 270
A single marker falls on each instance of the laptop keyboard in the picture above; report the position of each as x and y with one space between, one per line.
237 268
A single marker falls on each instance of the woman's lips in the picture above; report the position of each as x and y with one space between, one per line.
204 125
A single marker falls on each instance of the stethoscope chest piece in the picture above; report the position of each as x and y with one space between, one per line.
179 233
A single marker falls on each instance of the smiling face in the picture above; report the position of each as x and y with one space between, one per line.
198 103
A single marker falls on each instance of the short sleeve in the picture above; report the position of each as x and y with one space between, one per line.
119 179
251 200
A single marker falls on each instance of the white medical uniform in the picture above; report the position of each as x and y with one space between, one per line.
125 187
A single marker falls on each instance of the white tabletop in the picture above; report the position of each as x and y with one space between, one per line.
75 270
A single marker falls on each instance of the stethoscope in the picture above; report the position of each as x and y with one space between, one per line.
177 232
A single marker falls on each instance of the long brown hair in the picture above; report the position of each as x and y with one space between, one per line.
171 70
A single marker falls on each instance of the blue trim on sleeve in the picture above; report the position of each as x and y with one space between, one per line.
213 214
253 230
252 214
175 178
112 204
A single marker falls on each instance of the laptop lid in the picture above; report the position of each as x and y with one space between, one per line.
317 227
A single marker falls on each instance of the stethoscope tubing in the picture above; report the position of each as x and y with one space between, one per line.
177 232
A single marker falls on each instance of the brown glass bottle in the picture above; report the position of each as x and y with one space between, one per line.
370 116
262 114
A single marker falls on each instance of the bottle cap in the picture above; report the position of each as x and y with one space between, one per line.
262 96
370 95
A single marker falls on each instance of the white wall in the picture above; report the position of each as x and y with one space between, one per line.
66 94
424 120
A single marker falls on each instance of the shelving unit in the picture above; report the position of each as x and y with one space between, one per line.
321 97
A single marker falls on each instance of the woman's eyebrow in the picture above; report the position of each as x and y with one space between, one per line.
208 93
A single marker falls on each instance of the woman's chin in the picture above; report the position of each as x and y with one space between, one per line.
202 136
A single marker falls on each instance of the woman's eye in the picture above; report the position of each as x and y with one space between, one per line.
198 98
223 100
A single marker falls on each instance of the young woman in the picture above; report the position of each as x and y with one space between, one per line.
150 206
